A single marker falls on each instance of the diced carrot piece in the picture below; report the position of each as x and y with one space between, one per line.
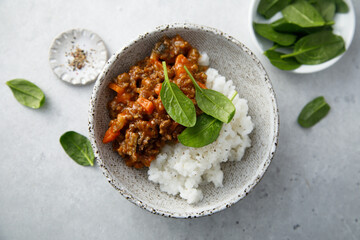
203 86
116 88
146 104
123 97
157 88
180 62
110 135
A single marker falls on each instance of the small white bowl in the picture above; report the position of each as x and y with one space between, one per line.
234 61
65 44
344 26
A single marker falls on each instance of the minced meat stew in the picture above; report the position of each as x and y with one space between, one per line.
139 124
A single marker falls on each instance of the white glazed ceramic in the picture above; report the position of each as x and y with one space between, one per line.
344 26
67 42
233 60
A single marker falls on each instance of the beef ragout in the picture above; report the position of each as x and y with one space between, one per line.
140 125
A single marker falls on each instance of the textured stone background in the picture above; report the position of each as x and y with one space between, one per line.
311 190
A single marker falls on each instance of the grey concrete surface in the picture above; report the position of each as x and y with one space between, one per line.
311 190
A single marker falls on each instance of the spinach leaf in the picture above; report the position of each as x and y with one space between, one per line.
303 14
283 64
313 112
283 26
317 48
326 8
283 39
205 131
341 6
27 93
326 27
78 148
179 107
269 8
212 102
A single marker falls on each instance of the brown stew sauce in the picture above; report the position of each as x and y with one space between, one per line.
139 125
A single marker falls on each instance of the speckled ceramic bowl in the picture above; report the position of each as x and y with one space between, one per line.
234 61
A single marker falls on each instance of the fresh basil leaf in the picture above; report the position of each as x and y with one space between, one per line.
283 64
205 131
269 8
341 6
27 93
212 102
78 147
317 48
326 8
266 31
179 107
313 112
303 14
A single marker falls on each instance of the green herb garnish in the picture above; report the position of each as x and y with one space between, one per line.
313 112
212 102
205 131
78 147
269 8
179 107
317 48
27 93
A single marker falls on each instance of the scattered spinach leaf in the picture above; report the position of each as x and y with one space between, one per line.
212 102
341 6
317 48
283 64
269 8
27 93
266 31
78 147
179 107
313 112
303 14
205 131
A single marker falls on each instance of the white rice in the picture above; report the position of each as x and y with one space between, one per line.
204 59
181 169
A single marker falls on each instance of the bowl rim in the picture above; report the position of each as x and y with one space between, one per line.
302 69
261 171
